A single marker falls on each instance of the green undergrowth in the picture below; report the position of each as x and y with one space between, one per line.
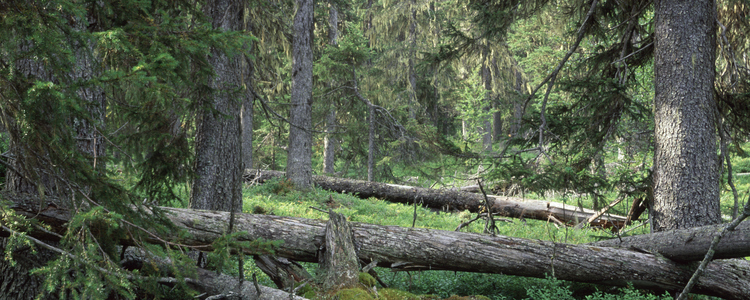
277 197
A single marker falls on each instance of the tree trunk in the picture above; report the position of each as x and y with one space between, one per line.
412 60
407 249
299 159
329 141
518 107
246 115
686 174
16 282
218 164
454 199
487 105
371 143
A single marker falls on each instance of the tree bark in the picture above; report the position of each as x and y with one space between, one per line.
688 244
487 105
299 159
424 249
686 174
218 164
412 60
454 199
339 260
329 141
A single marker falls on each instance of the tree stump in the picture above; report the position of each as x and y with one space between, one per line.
339 260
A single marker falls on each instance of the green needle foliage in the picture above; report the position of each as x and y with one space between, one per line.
147 60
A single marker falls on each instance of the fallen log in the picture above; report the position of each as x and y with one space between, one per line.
424 249
401 248
453 199
688 244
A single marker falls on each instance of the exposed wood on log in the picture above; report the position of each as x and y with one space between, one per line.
453 199
688 244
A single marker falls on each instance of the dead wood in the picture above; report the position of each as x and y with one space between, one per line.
688 244
339 260
423 249
451 199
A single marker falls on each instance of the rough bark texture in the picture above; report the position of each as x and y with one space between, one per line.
689 244
686 175
453 199
423 249
15 281
299 163
218 163
339 260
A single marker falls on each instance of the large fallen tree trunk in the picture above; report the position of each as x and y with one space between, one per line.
423 249
453 199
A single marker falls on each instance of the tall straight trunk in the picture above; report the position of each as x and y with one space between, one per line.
371 144
246 121
518 106
329 141
218 163
487 105
412 60
686 174
299 163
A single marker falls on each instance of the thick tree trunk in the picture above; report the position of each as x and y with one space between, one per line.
218 164
686 174
299 159
454 199
424 249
